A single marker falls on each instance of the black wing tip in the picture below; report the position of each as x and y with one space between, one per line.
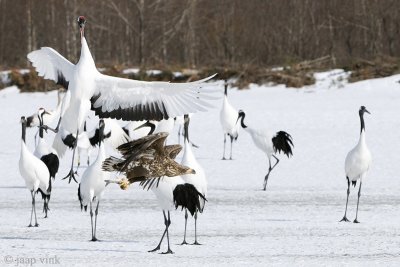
148 111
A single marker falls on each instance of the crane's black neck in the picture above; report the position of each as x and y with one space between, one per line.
186 127
241 116
23 130
152 127
84 126
226 88
362 121
40 117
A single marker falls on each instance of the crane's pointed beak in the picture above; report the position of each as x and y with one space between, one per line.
367 111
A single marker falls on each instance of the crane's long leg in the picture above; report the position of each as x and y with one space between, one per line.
95 221
195 230
347 201
269 170
34 208
71 174
169 251
45 206
30 223
231 147
184 236
162 237
223 156
358 202
91 220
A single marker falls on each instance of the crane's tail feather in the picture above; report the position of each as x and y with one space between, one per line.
187 196
282 142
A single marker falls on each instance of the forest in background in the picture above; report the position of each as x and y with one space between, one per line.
212 34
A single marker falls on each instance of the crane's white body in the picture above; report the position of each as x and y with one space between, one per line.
358 160
92 184
33 170
163 190
228 117
262 139
43 148
199 178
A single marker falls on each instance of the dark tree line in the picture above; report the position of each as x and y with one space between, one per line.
202 33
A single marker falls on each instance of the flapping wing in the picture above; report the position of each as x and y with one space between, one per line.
172 150
127 99
51 65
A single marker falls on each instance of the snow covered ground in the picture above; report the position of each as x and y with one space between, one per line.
295 222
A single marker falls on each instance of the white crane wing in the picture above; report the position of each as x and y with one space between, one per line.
134 100
51 65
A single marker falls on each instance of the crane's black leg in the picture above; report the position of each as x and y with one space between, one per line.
95 221
269 171
231 147
347 201
166 227
195 230
45 206
184 236
91 221
34 208
169 251
358 201
223 156
71 174
30 223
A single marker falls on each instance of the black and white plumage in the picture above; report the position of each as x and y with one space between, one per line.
92 185
228 117
270 145
34 172
172 193
49 156
357 163
198 180
114 97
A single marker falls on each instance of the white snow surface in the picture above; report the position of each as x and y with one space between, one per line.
294 223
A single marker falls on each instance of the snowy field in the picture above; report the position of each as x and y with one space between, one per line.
294 223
